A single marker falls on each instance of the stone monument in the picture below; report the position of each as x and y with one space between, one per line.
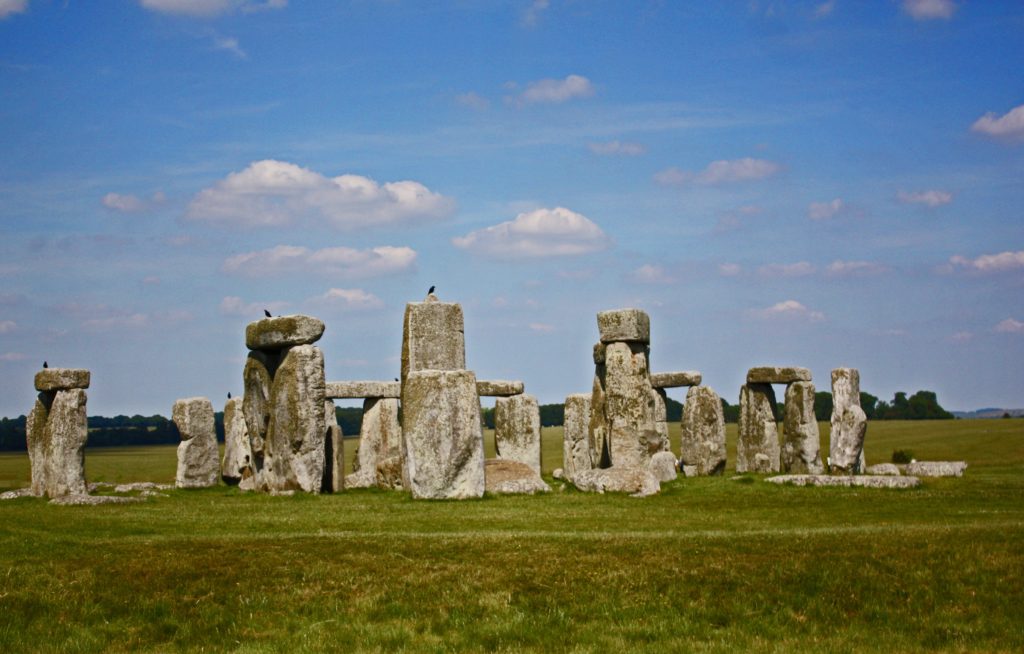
56 431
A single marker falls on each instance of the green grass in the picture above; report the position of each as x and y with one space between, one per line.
707 565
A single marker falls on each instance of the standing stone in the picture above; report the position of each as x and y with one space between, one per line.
433 337
757 448
660 399
517 430
702 436
380 438
575 445
197 452
237 462
800 438
56 431
597 430
849 423
629 406
258 378
294 447
442 442
334 452
664 466
37 441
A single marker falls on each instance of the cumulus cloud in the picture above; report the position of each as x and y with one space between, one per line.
824 210
344 262
789 309
277 193
350 299
209 8
648 274
232 305
929 9
554 91
720 172
11 7
1000 262
539 233
798 269
932 198
1009 126
7 326
617 147
1010 326
473 101
840 268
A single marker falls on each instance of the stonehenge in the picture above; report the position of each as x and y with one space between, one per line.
849 424
56 431
197 453
757 447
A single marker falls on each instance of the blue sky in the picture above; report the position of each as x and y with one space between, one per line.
797 183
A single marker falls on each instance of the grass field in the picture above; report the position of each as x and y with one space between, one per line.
708 565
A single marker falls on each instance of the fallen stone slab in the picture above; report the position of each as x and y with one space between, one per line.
624 325
890 469
664 466
861 481
638 482
363 389
283 331
141 486
937 468
498 388
506 477
777 375
94 486
15 494
61 379
675 379
93 500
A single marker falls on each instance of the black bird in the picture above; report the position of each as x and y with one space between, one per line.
229 395
46 365
396 378
267 313
431 290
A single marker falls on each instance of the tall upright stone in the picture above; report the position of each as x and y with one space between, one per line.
702 436
597 428
197 453
334 451
849 423
800 437
630 407
433 337
517 435
56 432
237 462
575 445
442 441
380 440
757 446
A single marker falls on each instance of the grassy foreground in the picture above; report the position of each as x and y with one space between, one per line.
707 565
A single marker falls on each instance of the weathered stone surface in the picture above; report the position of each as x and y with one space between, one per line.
294 448
757 446
597 428
937 468
630 406
638 482
258 378
702 436
675 379
82 499
283 331
443 444
15 494
141 486
801 440
575 445
334 452
498 388
360 389
390 471
433 337
599 354
237 461
507 477
664 466
56 432
777 375
517 430
660 399
197 452
865 481
624 325
61 379
890 469
849 423
557 473
380 438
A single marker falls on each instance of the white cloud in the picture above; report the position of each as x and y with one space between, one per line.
824 210
533 12
229 44
729 269
789 309
11 7
1010 326
12 356
539 233
840 268
720 172
1000 262
233 305
541 327
276 193
1009 126
7 326
618 147
123 203
344 262
929 9
555 91
798 269
350 298
648 274
825 9
209 8
473 101
933 198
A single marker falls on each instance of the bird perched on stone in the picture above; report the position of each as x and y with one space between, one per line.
396 378
430 291
229 395
46 365
267 313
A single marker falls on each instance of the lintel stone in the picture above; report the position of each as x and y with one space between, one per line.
628 325
675 379
283 331
61 379
498 388
358 389
777 375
